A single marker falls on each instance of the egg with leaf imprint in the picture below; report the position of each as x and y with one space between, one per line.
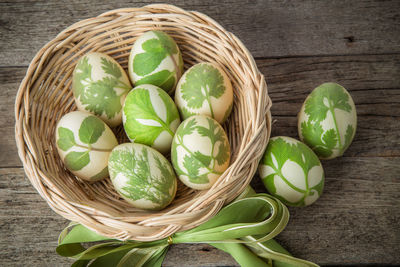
200 152
150 117
84 143
100 86
205 89
291 171
142 176
155 59
327 120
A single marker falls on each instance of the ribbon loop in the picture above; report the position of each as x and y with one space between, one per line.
243 228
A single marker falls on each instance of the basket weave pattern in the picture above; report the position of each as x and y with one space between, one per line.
45 95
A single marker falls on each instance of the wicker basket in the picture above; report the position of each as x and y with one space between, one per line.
45 95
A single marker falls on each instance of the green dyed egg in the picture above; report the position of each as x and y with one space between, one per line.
142 176
150 117
291 172
205 89
100 86
155 59
84 143
327 120
200 152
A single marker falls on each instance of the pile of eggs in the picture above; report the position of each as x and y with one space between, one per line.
188 129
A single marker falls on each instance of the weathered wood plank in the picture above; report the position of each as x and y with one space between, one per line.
268 28
372 81
355 220
10 79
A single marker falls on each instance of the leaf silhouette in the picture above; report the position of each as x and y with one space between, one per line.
66 138
77 160
202 81
139 110
91 129
142 183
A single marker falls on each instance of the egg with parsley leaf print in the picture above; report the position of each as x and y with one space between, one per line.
200 152
84 143
100 86
150 117
155 59
327 120
205 89
142 176
291 171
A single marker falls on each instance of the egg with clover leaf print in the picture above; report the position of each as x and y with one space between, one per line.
150 117
155 59
84 143
142 176
205 89
291 171
100 86
327 120
200 152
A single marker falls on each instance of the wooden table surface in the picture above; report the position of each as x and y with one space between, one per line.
297 45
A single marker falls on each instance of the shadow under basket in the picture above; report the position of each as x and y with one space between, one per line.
45 95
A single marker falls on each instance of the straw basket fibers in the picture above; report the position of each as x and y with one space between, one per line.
45 95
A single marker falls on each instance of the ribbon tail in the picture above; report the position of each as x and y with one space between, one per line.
272 250
241 254
111 259
130 257
80 263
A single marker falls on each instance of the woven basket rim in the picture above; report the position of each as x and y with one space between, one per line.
254 111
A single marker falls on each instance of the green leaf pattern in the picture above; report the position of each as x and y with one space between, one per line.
142 176
155 59
327 112
78 137
66 138
204 90
200 151
75 161
100 86
291 171
150 117
91 129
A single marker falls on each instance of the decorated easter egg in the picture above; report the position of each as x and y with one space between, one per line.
100 86
142 176
200 152
205 89
84 143
155 59
327 120
291 172
150 117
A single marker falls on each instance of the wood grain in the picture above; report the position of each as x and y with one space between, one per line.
368 78
272 28
298 45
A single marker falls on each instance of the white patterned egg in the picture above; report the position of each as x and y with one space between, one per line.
327 120
150 117
142 176
155 59
200 152
100 86
84 143
291 171
205 89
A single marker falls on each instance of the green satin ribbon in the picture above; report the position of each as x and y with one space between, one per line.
243 228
